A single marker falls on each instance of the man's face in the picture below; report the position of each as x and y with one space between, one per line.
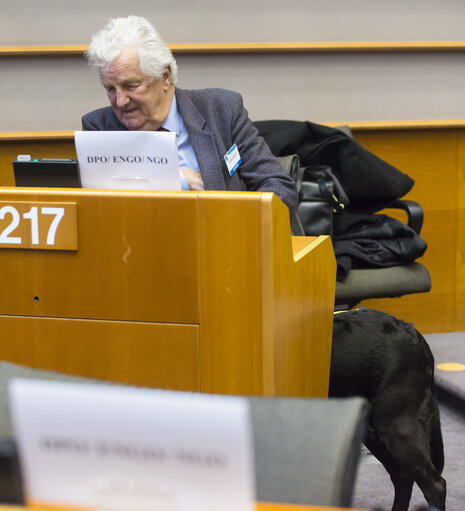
139 104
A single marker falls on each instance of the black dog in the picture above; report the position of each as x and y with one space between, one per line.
388 362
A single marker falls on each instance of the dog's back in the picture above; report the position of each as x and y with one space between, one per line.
388 361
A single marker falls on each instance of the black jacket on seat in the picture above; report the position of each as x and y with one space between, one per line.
360 238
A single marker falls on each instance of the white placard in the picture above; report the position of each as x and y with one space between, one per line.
119 448
128 160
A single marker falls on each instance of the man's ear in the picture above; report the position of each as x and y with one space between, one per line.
166 76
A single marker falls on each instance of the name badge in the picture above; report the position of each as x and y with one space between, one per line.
232 159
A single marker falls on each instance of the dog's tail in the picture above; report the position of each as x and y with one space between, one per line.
436 443
435 440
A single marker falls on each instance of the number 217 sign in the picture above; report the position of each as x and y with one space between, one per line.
38 225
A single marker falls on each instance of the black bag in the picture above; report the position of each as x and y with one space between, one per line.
321 196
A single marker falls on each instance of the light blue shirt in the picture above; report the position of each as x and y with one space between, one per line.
186 155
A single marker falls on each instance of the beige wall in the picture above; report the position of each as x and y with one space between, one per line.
40 94
185 21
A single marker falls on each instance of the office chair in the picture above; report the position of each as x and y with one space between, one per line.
393 282
367 283
306 450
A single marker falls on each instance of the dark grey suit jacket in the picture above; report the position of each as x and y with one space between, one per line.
216 119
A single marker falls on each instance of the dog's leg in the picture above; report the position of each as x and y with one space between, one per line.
433 487
409 459
403 483
428 479
403 492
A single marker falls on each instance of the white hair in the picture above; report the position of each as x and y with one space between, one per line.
137 32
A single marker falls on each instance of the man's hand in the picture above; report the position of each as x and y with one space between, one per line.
194 179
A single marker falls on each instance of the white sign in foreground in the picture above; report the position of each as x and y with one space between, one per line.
128 160
126 449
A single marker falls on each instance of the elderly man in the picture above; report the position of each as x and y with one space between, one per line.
139 74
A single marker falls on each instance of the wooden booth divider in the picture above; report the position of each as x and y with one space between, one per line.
200 291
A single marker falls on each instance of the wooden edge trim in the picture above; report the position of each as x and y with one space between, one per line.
355 126
42 51
302 245
36 135
403 125
318 47
291 47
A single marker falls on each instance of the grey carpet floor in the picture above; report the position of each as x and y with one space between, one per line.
374 490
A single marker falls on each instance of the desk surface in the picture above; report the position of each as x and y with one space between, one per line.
261 506
265 506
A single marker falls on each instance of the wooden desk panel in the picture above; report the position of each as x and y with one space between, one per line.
128 265
270 310
121 351
253 311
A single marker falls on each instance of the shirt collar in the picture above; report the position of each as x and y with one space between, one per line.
174 120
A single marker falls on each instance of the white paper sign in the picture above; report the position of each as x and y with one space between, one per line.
128 160
124 449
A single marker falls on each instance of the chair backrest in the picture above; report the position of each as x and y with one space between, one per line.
9 371
11 490
346 130
306 450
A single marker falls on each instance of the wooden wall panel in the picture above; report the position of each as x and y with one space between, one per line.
460 248
137 353
432 158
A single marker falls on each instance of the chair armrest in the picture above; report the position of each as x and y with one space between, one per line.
290 165
414 213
